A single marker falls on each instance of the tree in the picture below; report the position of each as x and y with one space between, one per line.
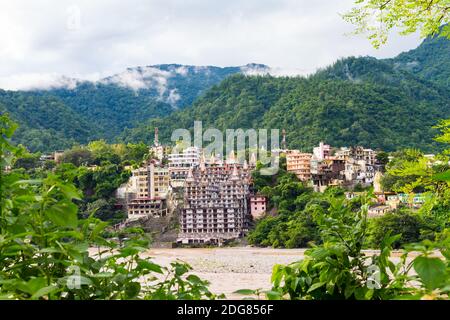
77 156
382 158
378 17
444 137
27 161
338 269
404 223
44 246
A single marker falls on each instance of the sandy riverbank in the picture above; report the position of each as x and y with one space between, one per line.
230 269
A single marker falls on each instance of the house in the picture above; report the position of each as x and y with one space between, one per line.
258 206
378 211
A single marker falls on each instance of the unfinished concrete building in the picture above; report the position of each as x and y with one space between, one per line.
151 186
216 198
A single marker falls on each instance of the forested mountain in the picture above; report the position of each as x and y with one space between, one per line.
85 110
46 123
387 104
431 61
340 112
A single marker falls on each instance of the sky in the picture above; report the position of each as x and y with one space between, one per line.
42 40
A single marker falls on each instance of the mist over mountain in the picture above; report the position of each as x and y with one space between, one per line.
356 101
104 108
387 104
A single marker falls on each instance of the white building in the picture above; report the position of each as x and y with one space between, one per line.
322 151
359 172
180 163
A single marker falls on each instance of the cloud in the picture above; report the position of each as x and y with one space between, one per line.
183 70
149 78
262 70
34 81
142 78
78 38
173 97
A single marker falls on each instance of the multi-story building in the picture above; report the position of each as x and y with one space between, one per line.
359 172
322 151
149 187
327 172
299 163
180 163
215 205
357 153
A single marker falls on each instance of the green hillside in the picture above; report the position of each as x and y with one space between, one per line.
46 123
431 61
387 104
320 108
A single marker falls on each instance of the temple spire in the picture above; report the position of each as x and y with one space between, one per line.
235 174
212 160
156 139
190 176
203 162
253 159
231 158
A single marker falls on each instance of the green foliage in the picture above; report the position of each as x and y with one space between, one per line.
444 137
382 158
411 172
411 227
378 17
296 206
98 169
336 105
27 161
77 156
60 118
339 269
430 61
98 185
46 124
47 252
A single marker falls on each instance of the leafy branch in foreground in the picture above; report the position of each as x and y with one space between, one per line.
339 269
47 252
378 17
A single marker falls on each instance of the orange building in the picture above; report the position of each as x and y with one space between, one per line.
300 164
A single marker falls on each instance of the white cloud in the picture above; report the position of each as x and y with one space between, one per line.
183 70
39 37
32 81
173 97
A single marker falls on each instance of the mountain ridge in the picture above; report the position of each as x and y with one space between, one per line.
353 101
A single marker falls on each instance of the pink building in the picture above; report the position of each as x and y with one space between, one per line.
322 151
258 206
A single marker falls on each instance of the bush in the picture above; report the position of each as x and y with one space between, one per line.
47 252
411 228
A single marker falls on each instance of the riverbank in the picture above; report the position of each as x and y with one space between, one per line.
230 269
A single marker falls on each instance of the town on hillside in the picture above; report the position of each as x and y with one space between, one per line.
188 198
